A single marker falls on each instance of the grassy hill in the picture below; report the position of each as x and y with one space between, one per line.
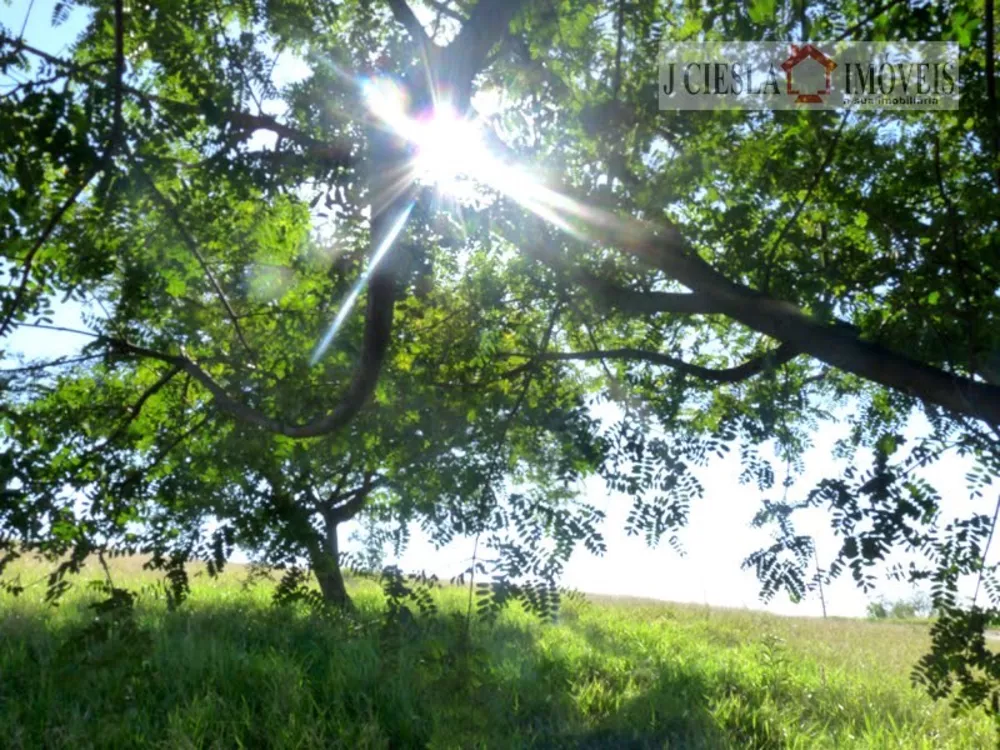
228 670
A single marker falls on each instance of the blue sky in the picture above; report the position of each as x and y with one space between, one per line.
718 536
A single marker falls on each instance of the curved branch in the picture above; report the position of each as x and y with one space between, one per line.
356 501
375 344
136 475
18 45
839 345
817 177
529 368
877 11
247 122
748 369
350 404
376 338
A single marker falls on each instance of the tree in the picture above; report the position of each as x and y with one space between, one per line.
156 473
723 277
917 606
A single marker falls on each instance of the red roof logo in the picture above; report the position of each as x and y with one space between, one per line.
799 54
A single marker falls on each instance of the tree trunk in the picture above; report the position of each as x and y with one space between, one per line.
326 567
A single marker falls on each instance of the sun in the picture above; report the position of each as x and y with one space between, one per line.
451 154
449 150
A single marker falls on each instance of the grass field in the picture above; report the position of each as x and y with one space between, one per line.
229 670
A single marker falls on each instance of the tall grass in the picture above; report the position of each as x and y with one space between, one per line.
229 670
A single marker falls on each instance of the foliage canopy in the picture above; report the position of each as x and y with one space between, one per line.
720 279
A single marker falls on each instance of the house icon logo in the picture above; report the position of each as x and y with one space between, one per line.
802 56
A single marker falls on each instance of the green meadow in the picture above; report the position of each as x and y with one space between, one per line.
228 669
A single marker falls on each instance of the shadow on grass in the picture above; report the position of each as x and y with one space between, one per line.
235 675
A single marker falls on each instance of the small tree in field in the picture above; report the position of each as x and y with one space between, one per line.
917 606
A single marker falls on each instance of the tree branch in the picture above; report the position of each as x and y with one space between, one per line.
106 162
610 295
446 10
133 412
118 82
992 111
138 474
838 345
54 363
529 368
29 260
748 369
464 58
361 386
644 303
350 404
18 45
171 211
813 184
245 122
136 408
356 501
875 13
406 18
617 82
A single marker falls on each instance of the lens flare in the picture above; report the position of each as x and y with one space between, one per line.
451 153
348 304
449 150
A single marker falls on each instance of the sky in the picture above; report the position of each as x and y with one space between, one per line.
718 536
